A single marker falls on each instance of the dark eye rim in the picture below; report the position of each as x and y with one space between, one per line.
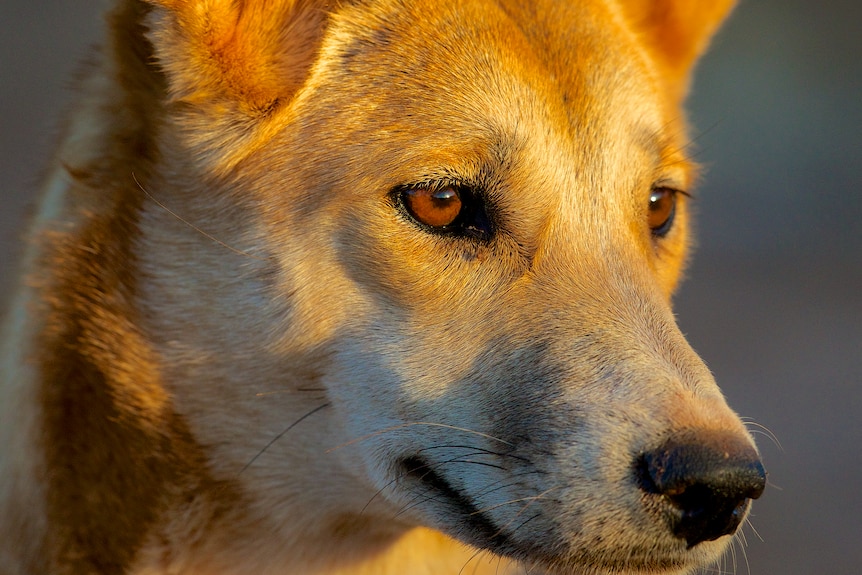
664 229
473 221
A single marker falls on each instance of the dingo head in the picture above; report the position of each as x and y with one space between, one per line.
456 229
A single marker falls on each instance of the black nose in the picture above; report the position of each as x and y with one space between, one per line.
708 477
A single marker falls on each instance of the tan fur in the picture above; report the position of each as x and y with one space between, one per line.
229 335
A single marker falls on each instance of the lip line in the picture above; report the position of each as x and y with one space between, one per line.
483 532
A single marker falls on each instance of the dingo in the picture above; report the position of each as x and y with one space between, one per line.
371 287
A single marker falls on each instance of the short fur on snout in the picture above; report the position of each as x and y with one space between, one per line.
244 342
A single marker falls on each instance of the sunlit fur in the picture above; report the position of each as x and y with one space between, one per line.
232 353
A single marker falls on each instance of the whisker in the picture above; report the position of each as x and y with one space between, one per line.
743 540
470 560
501 483
410 424
194 227
418 499
292 390
733 557
762 430
479 450
424 496
490 488
389 484
531 499
720 566
534 516
753 529
282 434
400 476
698 151
745 558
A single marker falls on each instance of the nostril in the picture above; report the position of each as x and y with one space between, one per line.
708 478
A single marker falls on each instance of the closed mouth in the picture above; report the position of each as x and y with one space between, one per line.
475 527
472 524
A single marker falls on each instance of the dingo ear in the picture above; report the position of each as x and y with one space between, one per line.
676 32
246 55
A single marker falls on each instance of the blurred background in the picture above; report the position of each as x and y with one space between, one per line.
774 297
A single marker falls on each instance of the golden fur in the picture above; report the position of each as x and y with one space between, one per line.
234 352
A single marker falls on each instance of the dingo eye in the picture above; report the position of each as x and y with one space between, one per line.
662 208
451 210
434 208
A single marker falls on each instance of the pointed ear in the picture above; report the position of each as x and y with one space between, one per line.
676 32
250 55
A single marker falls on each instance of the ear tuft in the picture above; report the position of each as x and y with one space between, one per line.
676 32
249 54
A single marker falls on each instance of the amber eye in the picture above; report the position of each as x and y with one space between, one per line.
449 210
662 208
436 208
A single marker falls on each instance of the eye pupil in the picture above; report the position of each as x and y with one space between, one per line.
662 207
436 208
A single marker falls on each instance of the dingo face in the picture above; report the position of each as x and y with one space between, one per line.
376 267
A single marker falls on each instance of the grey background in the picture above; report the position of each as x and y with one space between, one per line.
774 298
